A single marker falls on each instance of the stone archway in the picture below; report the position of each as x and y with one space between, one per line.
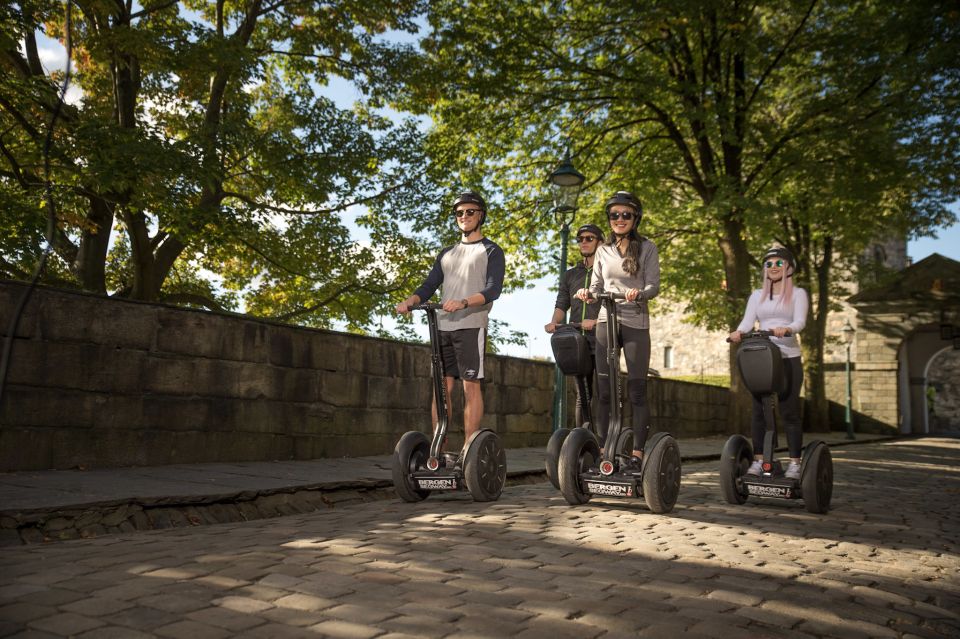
943 377
919 351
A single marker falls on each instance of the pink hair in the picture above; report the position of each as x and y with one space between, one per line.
786 294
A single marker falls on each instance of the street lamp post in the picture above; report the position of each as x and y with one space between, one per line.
565 183
848 332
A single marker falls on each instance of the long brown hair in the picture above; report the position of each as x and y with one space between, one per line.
631 261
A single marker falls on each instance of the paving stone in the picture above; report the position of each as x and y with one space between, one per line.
66 623
192 629
346 629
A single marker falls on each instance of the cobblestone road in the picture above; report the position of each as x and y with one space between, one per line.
885 562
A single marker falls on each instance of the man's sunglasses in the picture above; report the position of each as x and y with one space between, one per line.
771 263
467 212
626 216
586 238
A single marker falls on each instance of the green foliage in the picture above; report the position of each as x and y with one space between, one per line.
202 165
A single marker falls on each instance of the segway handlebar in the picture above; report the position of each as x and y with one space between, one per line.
426 306
609 295
760 333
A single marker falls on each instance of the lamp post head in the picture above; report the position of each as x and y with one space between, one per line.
848 332
565 182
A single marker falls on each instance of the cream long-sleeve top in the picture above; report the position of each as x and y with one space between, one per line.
609 276
772 314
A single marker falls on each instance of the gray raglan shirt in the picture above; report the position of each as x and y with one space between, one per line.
609 276
465 269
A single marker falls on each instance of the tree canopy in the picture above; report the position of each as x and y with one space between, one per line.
202 136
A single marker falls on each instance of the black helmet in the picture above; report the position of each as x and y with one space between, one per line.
592 228
625 198
472 197
783 253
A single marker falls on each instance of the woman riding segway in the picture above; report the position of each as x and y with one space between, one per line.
769 362
626 274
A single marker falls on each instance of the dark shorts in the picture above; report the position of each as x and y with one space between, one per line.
462 353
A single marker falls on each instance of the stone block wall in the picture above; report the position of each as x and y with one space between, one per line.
99 382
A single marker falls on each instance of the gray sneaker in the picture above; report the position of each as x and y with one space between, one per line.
756 468
793 471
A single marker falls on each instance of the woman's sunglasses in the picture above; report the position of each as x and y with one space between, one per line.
771 263
626 216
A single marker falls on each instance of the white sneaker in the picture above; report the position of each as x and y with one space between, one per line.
756 468
793 471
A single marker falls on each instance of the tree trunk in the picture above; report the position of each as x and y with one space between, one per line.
90 263
816 417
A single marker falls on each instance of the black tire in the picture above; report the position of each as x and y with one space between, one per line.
734 462
553 454
661 475
485 466
817 479
625 443
409 455
580 451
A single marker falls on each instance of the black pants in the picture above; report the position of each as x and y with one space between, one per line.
636 350
789 402
586 401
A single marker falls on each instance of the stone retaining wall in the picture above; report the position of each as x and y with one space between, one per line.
100 382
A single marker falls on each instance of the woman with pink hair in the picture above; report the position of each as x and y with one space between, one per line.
781 309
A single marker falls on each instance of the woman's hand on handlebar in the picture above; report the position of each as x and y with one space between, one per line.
584 295
735 337
632 295
781 331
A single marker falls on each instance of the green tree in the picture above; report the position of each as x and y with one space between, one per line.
201 136
718 113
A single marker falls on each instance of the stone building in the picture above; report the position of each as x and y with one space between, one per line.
908 350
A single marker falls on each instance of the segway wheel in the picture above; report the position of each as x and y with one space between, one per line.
553 454
485 466
734 463
410 455
579 453
661 475
625 443
817 479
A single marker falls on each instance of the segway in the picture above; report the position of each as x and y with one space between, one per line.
418 465
572 354
584 472
761 369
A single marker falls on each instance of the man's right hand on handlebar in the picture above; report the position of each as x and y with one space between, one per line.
584 295
735 337
406 305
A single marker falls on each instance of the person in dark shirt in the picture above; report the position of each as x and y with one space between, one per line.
471 273
588 237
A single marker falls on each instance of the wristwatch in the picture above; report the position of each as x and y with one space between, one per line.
465 303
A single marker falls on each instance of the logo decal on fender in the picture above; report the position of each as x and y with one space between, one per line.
436 484
615 490
769 491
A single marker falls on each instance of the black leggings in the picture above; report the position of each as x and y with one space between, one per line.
789 402
636 350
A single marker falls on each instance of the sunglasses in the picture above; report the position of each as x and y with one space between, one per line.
467 212
626 216
771 263
586 238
